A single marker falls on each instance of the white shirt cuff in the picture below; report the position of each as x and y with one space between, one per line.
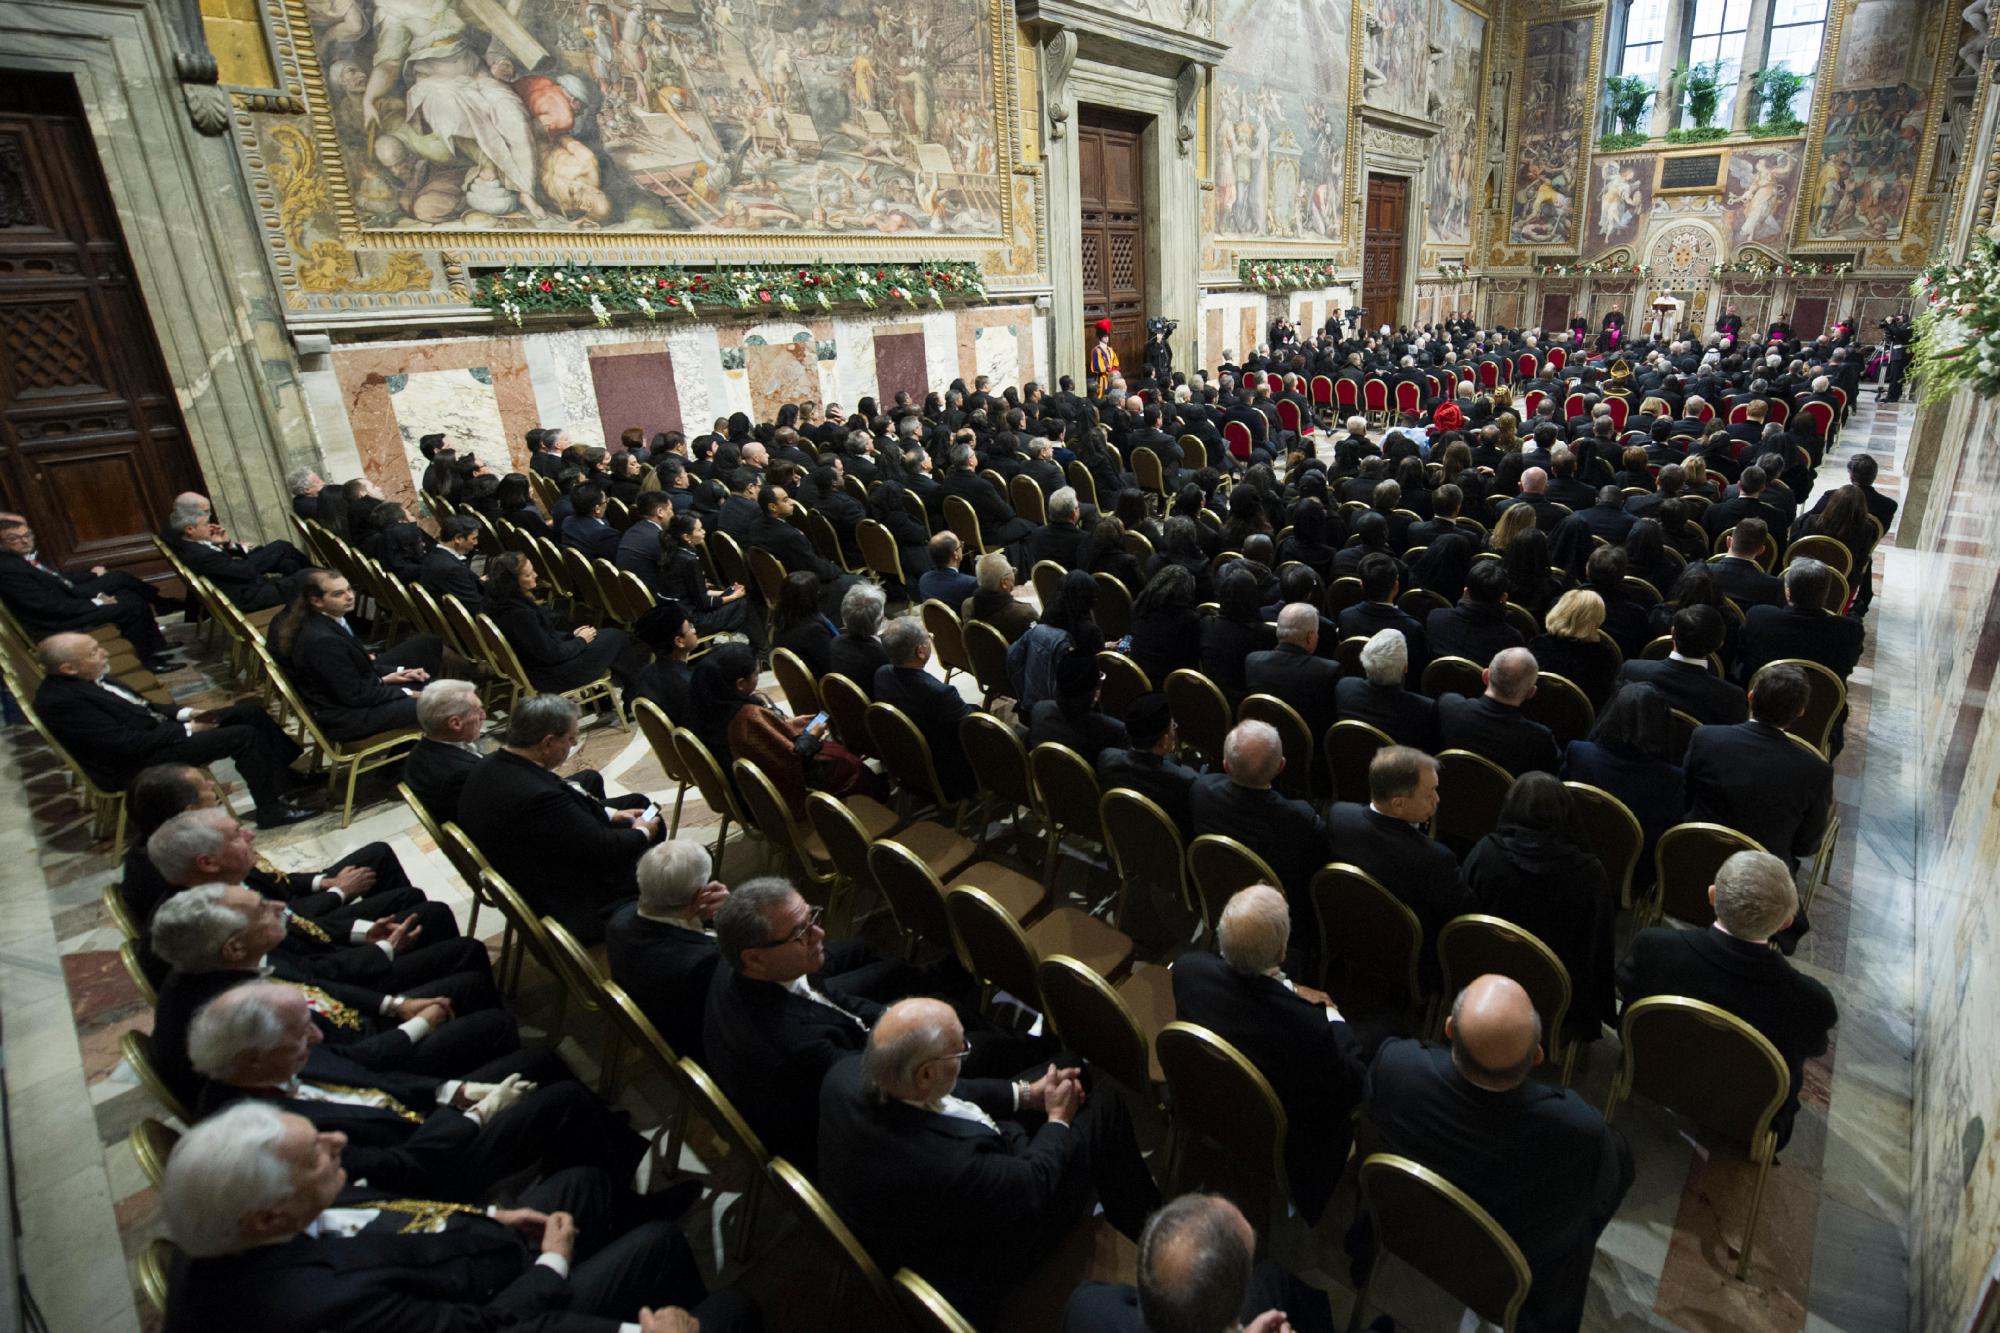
389 1003
447 1091
557 1262
416 1028
357 933
184 715
388 949
187 728
322 882
629 1327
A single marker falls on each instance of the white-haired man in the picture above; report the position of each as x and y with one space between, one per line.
278 1241
1241 803
660 946
1380 695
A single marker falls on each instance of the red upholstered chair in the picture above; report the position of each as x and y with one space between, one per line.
1532 401
1375 396
1740 412
1346 396
1572 405
1819 418
1322 391
1409 398
1489 374
1618 408
1782 410
1238 436
1288 416
1527 365
1558 358
1707 413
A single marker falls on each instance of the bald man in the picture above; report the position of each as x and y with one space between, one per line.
1535 495
970 1182
1493 724
1535 1155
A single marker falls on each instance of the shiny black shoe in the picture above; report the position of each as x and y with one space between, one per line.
277 816
161 663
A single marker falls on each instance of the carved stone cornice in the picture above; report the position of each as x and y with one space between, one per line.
1144 32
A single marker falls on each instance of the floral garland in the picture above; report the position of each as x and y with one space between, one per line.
653 291
1453 271
1788 269
1593 266
1958 332
1287 275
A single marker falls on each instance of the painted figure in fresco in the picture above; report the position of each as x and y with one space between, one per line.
1618 200
1762 197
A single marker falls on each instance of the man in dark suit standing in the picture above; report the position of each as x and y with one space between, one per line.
1241 803
1294 673
1738 574
1803 627
564 852
114 733
47 602
1535 1156
1377 610
970 1181
1477 627
1685 677
934 706
1386 838
1756 779
447 570
1290 1032
1493 724
661 948
1733 966
323 1256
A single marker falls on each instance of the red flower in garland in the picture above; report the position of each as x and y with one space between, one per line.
878 275
548 286
672 300
660 282
764 295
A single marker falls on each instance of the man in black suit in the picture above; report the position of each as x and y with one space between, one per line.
1607 518
1738 574
305 486
935 1172
934 706
1381 697
739 508
1061 538
1756 779
1747 501
323 1256
1685 677
1493 724
1290 1032
1293 672
47 602
436 768
1386 838
639 550
564 852
1535 495
253 580
1477 627
1240 803
1377 610
661 947
1803 627
1149 767
545 450
1733 966
350 694
1446 501
114 733
1536 1156
447 570
999 525
773 531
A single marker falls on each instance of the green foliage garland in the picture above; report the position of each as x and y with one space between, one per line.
1958 332
1611 143
1286 275
1592 266
1788 269
1697 134
606 290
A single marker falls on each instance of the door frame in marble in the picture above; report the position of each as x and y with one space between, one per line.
1397 146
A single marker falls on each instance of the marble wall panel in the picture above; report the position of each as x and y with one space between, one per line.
900 365
635 387
780 373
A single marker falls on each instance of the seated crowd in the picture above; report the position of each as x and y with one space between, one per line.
371 1145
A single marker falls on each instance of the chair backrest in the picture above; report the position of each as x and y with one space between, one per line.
1825 701
1684 864
1124 679
880 552
1348 653
947 635
1471 790
999 759
924 1310
1027 498
137 1048
1561 706
1342 593
1237 436
502 655
825 540
846 704
795 678
706 773
812 1210
1454 675
1221 867
1375 394
1350 748
1681 726
1221 1097
913 892
845 839
1114 608
767 573
658 730
1704 1063
1144 842
1827 550
963 519
727 553
1067 785
1370 940
996 948
769 815
1048 578
1200 711
906 751
1322 391
155 1267
986 654
1435 1227
582 977
714 1106
1611 831
1296 779
1095 1022
1472 945
152 1143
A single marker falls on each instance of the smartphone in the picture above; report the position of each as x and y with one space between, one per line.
651 810
819 719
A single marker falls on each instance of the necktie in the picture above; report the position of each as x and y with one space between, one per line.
373 1096
36 561
332 1010
426 1215
310 929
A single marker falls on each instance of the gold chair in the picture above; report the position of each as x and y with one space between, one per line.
749 1157
963 519
1829 551
881 555
1298 778
152 1142
586 982
947 637
986 656
1560 706
1684 864
432 829
707 775
846 706
1221 867
861 1298
1342 593
1370 942
1146 849
1474 944
1610 830
533 940
1350 748
1201 712
643 1037
1067 786
906 751
1228 1122
1124 679
1048 578
1715 1069
1113 1027
999 759
1148 471
916 894
847 840
1436 1228
1006 956
137 1048
1471 790
355 757
923 1309
1454 675
766 573
658 730
1680 732
121 915
1114 608
795 678
501 653
128 954
820 879
472 867
155 1266
1825 702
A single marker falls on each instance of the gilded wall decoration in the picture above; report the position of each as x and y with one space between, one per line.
1279 153
1559 94
321 263
1621 198
1395 55
1457 80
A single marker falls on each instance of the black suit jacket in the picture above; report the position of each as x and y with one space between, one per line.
1059 542
1304 681
436 772
426 1157
792 547
1501 733
1753 981
1745 584
1771 633
238 579
998 523
769 1048
43 602
553 843
737 514
337 679
935 707
1470 630
1166 782
445 573
1695 690
1409 718
1315 1066
1610 522
639 551
666 969
1285 832
1370 618
111 738
1756 779
1408 862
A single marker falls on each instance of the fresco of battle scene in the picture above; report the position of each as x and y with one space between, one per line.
1279 152
1555 116
1454 105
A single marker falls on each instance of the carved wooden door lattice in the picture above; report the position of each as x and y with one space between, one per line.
1112 194
92 446
1384 231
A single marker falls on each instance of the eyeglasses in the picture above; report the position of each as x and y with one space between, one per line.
955 1055
812 919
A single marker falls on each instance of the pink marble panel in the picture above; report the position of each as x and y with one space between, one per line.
779 373
635 387
899 365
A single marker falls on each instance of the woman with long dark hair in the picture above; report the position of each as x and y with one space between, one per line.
1234 632
1626 755
1646 556
684 578
350 692
1166 628
798 624
1072 718
1312 541
1443 566
556 657
1530 583
1103 552
1182 546
1074 612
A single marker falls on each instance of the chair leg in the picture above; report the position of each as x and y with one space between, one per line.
1361 1294
721 838
1049 857
680 799
1756 1206
347 806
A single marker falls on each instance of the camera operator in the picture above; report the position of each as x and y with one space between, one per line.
1896 335
1158 357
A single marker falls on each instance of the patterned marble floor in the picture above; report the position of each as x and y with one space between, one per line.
1831 1250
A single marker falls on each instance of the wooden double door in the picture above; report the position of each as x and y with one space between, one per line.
1384 234
92 445
1112 202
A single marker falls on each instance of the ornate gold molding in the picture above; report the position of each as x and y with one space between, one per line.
325 264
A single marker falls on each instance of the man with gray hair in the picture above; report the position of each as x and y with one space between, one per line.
568 854
305 486
1389 839
1493 725
856 652
1292 1033
934 706
250 1196
452 716
1061 538
1294 672
1380 698
995 602
216 936
1733 966
253 579
926 1162
999 525
661 947
1241 803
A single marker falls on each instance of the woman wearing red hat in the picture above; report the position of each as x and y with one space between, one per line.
1103 362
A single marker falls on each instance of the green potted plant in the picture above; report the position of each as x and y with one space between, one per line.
1627 95
1776 87
1701 84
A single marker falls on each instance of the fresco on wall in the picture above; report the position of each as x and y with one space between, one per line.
1876 46
664 115
1621 195
1867 161
1757 201
1279 153
1454 104
1395 54
1556 105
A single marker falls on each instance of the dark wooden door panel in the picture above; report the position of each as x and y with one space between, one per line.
1555 311
1384 227
1809 316
92 445
1112 202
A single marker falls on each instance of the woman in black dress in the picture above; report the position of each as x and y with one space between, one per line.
556 657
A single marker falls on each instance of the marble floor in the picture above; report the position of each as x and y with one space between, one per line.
1832 1245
